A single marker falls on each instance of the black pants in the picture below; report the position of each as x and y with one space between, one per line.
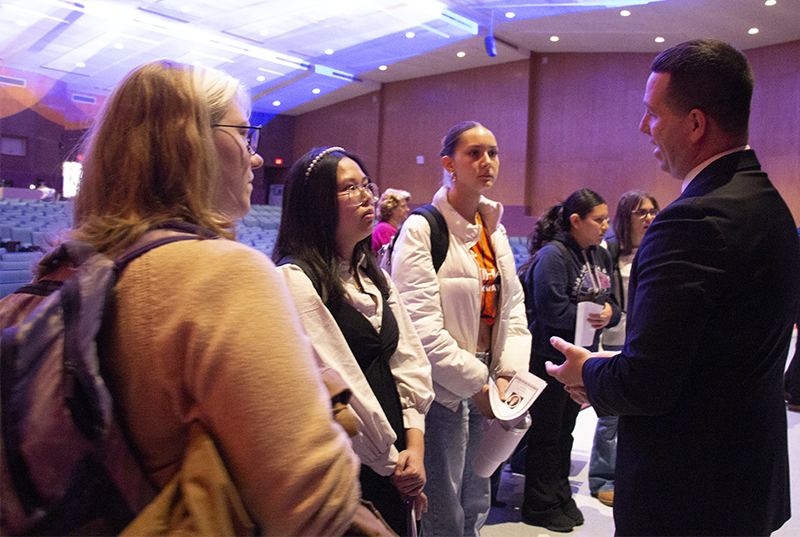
386 498
548 455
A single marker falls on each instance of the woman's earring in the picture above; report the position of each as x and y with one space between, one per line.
453 176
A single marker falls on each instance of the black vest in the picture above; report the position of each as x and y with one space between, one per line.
371 349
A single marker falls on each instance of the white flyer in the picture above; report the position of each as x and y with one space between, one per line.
521 392
584 333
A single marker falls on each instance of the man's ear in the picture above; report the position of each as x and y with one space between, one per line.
699 123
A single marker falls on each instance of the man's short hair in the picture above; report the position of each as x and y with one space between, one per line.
711 76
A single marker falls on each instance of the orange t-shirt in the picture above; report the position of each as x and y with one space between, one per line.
484 255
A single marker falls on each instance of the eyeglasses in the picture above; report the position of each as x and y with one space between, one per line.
253 133
355 193
644 213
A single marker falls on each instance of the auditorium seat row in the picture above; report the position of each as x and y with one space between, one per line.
32 223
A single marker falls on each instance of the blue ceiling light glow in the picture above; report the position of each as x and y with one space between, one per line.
327 71
298 92
288 61
283 49
460 22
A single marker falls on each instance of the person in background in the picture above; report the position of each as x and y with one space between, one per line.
357 324
47 193
712 298
471 319
635 212
205 330
392 211
567 266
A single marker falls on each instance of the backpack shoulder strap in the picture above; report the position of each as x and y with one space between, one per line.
40 288
567 257
527 276
440 239
121 262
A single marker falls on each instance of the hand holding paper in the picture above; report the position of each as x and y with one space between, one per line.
601 320
501 435
584 333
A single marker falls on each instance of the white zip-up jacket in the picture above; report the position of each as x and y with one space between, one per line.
445 307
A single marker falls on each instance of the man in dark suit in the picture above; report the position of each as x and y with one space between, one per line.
792 376
713 294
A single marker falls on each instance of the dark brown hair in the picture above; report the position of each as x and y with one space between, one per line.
628 203
309 219
711 76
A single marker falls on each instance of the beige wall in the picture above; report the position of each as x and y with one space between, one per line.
562 121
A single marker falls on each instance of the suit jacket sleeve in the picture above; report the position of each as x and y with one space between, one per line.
677 277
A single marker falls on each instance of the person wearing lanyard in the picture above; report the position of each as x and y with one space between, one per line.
566 267
471 320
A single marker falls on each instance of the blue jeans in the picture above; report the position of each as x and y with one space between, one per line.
604 455
458 500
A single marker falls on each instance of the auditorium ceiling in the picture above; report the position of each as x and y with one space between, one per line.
298 55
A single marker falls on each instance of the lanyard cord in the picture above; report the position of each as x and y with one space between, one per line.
595 279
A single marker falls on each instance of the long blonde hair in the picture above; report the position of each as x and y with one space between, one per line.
150 155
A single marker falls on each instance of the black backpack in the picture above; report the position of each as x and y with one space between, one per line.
526 277
440 239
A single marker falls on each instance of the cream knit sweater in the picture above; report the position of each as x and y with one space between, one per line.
207 330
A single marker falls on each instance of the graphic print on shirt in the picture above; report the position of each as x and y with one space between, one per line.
490 277
593 285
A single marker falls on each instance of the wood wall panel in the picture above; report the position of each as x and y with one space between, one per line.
587 115
418 113
775 117
351 124
562 121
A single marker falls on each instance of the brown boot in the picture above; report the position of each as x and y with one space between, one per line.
606 497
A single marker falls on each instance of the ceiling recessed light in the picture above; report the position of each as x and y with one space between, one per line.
659 39
80 64
410 34
770 3
752 31
276 103
510 15
118 45
22 23
554 38
461 54
382 68
315 91
261 78
264 32
625 13
329 51
186 9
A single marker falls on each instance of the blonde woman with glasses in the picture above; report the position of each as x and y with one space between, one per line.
203 330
